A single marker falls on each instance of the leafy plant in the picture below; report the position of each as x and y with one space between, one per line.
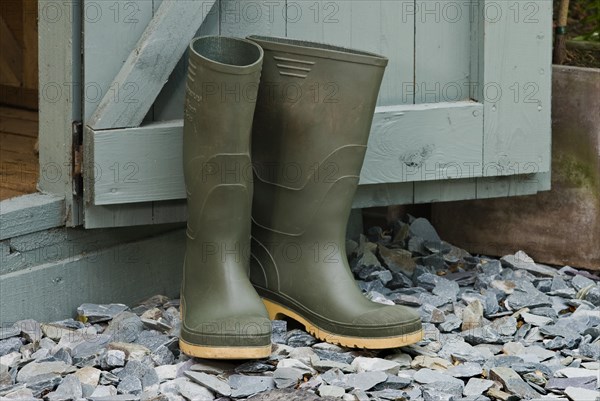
584 21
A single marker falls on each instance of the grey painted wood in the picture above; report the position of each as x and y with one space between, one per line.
49 246
517 70
59 99
381 26
108 41
169 211
134 214
383 195
544 181
513 185
445 190
442 51
149 64
408 143
424 143
170 101
29 213
476 77
126 273
122 175
108 170
111 31
240 18
452 147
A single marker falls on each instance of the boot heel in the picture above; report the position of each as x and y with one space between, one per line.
277 311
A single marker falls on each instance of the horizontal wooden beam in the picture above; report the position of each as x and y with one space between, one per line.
407 143
424 142
127 272
150 63
30 213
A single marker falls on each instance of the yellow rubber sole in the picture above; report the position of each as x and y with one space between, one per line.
209 352
277 311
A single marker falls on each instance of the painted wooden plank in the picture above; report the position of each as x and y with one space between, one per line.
136 18
319 21
122 175
170 101
381 26
111 31
121 215
149 64
59 98
135 214
517 84
4 250
408 143
42 247
374 195
101 216
127 273
442 51
425 142
240 18
230 18
169 211
445 190
544 181
513 185
29 213
477 53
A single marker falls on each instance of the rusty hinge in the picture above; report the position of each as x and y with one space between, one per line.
77 158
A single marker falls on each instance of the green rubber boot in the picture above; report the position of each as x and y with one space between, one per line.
223 317
312 121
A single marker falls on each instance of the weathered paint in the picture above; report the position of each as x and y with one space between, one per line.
143 164
30 213
59 99
126 272
149 64
476 51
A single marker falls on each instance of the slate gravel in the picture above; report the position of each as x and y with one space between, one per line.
495 329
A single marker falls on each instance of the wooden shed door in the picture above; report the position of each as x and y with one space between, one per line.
463 113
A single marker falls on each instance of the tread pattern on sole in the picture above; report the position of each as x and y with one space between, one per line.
276 310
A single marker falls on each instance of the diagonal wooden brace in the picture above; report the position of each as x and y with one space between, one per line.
150 63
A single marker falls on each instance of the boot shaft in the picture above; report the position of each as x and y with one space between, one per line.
221 91
313 101
312 121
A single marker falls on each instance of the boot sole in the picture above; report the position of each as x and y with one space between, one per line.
276 310
211 352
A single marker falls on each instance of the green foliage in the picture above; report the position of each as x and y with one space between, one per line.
584 19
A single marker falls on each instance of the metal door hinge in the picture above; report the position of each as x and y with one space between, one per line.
77 158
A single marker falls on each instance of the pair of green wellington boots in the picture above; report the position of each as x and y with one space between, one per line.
266 233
